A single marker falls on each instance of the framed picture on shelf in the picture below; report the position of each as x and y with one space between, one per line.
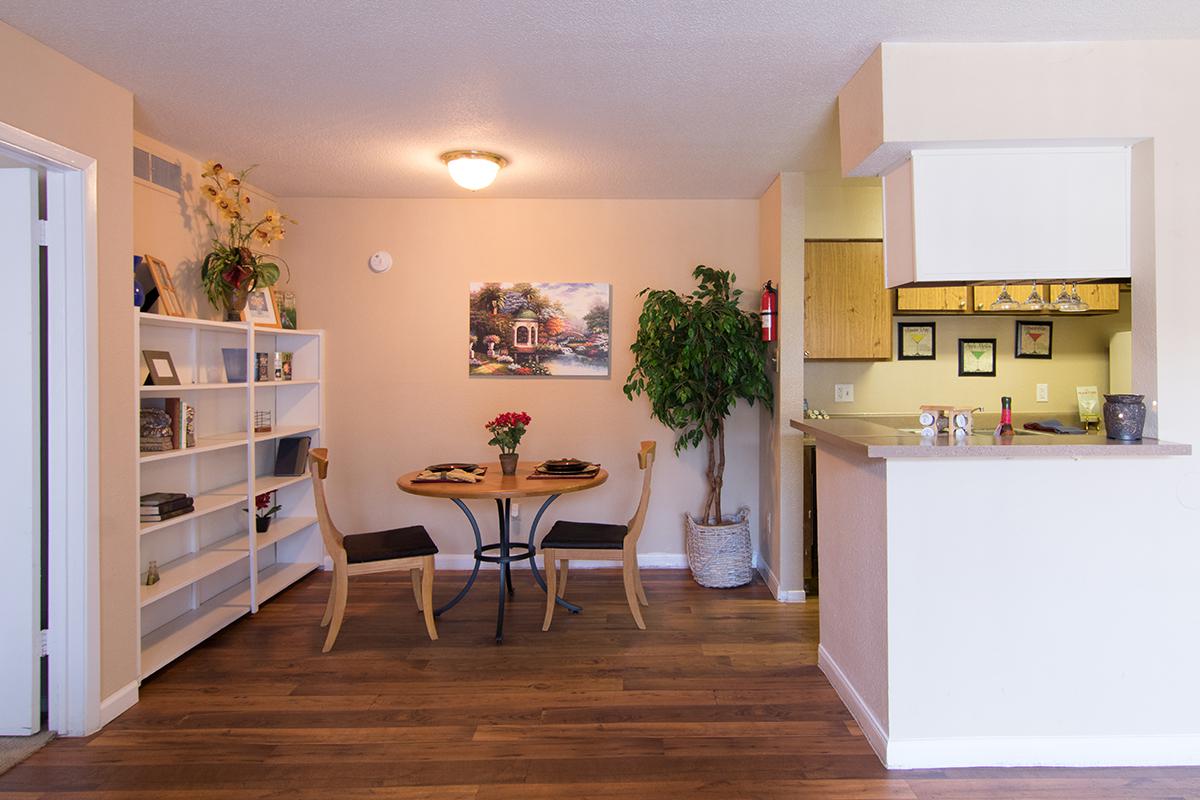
1034 339
168 300
162 368
260 308
918 341
977 358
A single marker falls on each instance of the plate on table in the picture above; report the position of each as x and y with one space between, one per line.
447 467
565 466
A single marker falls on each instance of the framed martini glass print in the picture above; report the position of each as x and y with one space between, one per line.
1033 339
977 358
917 341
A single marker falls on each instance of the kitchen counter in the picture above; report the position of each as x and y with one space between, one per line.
977 609
884 437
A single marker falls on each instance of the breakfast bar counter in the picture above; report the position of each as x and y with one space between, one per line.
973 593
887 438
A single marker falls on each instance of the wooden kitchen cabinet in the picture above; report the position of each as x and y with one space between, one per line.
986 295
847 309
932 299
1098 296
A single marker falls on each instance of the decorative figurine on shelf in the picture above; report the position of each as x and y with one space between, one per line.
233 268
287 310
139 296
152 576
265 509
507 430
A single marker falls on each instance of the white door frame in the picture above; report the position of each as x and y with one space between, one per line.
73 641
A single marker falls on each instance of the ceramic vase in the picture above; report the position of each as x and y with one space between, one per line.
508 463
262 524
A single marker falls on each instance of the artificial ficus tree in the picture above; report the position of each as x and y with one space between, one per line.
695 357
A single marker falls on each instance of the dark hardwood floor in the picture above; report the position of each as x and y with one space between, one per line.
720 698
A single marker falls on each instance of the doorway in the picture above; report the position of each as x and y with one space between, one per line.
49 667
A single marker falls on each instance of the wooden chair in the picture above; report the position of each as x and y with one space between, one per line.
600 541
369 553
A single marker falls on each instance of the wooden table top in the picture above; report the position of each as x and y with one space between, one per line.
496 485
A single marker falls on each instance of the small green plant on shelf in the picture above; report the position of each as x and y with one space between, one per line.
265 509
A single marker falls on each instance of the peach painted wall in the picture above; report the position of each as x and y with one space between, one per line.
399 396
47 94
175 228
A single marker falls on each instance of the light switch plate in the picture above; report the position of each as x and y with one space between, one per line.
1043 393
843 393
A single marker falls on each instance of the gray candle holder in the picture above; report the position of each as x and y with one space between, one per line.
1124 416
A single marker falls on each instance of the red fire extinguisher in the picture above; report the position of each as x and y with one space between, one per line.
768 311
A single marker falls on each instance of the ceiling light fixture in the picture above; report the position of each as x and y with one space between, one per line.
473 169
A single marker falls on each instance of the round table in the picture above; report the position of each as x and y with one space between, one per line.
503 489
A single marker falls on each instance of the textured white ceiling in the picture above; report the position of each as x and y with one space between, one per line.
591 98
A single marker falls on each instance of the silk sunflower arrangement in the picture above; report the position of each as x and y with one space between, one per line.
234 267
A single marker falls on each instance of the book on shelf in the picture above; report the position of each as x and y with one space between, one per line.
168 506
156 499
291 457
177 431
166 515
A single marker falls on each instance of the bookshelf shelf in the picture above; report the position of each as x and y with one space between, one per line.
185 571
202 588
281 529
167 642
205 504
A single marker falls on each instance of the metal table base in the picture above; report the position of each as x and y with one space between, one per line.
505 546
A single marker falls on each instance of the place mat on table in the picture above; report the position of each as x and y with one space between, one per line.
453 476
539 474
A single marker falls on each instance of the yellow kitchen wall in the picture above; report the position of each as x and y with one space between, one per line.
45 93
842 208
174 227
852 208
398 393
1080 350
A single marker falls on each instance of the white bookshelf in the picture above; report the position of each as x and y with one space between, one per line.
214 566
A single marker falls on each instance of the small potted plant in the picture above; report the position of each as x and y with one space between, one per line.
696 356
265 509
507 430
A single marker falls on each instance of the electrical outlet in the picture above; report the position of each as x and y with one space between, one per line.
1043 393
843 393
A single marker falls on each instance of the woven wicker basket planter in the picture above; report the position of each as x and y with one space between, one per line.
720 556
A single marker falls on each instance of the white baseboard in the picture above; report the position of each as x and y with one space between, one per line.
465 561
118 703
1009 751
1045 751
871 727
782 595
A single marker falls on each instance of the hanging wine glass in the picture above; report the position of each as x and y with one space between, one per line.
1004 301
1064 302
1035 302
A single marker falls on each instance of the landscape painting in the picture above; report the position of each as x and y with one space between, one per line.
540 329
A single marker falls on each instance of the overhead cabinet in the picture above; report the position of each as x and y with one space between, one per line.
1041 214
847 309
933 299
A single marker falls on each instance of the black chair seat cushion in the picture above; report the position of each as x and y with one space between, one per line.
586 536
363 548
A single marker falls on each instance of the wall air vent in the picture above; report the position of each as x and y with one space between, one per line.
157 170
141 164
